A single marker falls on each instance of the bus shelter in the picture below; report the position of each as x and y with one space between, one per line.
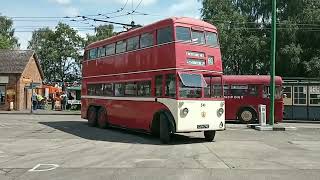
301 99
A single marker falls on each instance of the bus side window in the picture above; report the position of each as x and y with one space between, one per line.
130 89
164 35
252 90
119 89
158 86
170 89
144 88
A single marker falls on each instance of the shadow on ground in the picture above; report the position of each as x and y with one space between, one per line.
81 129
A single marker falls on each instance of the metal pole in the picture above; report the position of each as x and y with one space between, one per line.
31 84
273 59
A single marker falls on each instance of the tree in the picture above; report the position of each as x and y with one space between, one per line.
59 52
7 39
245 35
101 32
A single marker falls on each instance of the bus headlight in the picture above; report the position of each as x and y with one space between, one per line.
185 111
220 112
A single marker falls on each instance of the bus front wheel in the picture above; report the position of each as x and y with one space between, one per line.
165 132
92 116
247 115
209 135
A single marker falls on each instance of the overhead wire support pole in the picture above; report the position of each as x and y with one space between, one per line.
273 59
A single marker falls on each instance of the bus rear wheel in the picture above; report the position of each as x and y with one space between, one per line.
165 132
247 115
102 119
209 135
92 116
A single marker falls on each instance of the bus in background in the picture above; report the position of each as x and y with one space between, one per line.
243 94
151 79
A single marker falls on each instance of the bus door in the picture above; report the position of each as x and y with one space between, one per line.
314 102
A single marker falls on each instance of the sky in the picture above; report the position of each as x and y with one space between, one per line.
29 15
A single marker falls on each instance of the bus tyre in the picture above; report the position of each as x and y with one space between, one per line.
209 135
102 119
92 116
165 132
247 115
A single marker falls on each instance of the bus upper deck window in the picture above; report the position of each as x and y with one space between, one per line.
198 37
164 35
146 40
211 38
183 34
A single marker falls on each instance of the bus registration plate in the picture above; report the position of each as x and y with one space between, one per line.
203 126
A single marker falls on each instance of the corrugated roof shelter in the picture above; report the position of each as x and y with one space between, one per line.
17 69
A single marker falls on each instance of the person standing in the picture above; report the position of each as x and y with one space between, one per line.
63 100
34 101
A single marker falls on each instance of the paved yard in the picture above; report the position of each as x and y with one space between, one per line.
58 147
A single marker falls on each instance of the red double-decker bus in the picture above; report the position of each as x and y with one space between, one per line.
244 93
152 79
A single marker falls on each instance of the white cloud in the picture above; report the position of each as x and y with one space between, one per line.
62 2
189 8
71 11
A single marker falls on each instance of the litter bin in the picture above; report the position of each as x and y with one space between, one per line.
262 114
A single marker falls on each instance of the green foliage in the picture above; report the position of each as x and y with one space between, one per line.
101 32
7 39
245 30
59 52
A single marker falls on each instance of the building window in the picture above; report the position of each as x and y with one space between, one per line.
144 88
198 37
133 43
146 40
314 95
287 91
170 90
2 94
183 34
164 35
130 89
300 95
121 46
212 38
93 53
158 86
110 49
119 89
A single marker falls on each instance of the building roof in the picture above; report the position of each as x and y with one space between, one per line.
15 61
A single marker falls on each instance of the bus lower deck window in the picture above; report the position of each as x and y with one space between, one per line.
170 85
158 87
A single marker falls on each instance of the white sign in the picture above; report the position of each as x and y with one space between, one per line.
4 79
74 102
314 89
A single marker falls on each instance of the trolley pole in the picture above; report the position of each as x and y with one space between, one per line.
273 59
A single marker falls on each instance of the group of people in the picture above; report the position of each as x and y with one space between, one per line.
58 101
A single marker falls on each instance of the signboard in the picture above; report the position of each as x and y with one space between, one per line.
33 85
74 102
4 79
314 89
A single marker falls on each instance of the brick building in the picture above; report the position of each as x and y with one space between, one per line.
17 69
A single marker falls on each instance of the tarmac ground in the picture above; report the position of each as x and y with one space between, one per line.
37 147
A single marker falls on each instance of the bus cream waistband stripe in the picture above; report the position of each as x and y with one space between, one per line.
119 98
137 72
